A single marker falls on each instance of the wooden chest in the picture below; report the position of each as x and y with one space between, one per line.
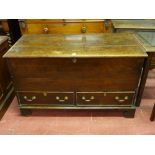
6 90
64 26
89 71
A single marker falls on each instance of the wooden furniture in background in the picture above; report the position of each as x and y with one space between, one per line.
6 88
133 25
85 71
64 26
147 39
145 30
10 28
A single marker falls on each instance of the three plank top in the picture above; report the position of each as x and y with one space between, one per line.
82 45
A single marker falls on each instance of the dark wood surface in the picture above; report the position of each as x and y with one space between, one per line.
10 27
6 89
83 78
84 75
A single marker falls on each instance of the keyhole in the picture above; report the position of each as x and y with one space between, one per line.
74 60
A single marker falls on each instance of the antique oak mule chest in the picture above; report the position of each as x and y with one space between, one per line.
85 71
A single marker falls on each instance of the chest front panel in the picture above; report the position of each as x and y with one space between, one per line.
114 74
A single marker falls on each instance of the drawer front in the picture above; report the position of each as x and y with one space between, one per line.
64 28
104 98
51 98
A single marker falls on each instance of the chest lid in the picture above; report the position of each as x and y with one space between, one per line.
82 45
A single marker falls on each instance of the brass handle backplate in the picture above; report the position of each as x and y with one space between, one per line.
88 100
30 99
122 99
61 100
45 29
83 29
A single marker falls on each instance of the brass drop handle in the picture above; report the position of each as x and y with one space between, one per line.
88 100
30 99
121 100
45 29
83 29
61 100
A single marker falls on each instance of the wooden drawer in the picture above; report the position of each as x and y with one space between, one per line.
132 30
52 98
48 28
104 98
